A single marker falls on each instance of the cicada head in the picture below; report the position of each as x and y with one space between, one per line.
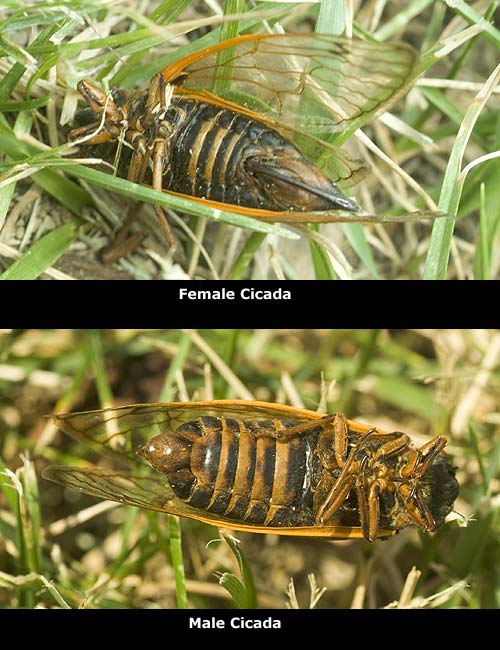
439 489
427 487
105 114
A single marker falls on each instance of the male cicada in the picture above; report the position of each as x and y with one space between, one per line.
249 125
265 468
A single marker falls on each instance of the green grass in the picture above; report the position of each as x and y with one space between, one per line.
84 207
60 549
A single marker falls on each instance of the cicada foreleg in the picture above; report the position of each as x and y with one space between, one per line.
418 464
422 458
109 117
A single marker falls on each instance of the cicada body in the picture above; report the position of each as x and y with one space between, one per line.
222 155
264 468
249 125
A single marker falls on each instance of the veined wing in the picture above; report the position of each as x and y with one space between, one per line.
118 432
314 82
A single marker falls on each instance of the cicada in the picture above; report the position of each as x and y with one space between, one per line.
263 468
249 125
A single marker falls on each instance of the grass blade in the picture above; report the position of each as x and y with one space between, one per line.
174 533
96 353
167 392
242 591
323 268
246 255
44 253
442 231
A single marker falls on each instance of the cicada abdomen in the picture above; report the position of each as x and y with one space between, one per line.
222 155
240 469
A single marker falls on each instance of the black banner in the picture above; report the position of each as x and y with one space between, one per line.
327 304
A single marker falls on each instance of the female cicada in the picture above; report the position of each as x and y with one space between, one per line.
265 468
249 125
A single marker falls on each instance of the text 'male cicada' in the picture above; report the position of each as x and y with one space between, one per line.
249 125
265 468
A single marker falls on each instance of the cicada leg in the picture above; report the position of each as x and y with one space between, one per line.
418 464
141 157
346 481
341 439
158 155
416 507
124 241
392 446
156 106
122 246
338 494
369 506
422 458
299 429
109 116
99 137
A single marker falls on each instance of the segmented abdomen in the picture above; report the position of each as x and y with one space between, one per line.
237 471
208 149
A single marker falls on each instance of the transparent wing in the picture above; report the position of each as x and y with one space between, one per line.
118 432
313 82
146 491
326 216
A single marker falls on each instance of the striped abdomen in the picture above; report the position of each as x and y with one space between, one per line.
222 155
230 468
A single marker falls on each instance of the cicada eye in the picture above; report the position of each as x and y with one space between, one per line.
84 116
120 97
